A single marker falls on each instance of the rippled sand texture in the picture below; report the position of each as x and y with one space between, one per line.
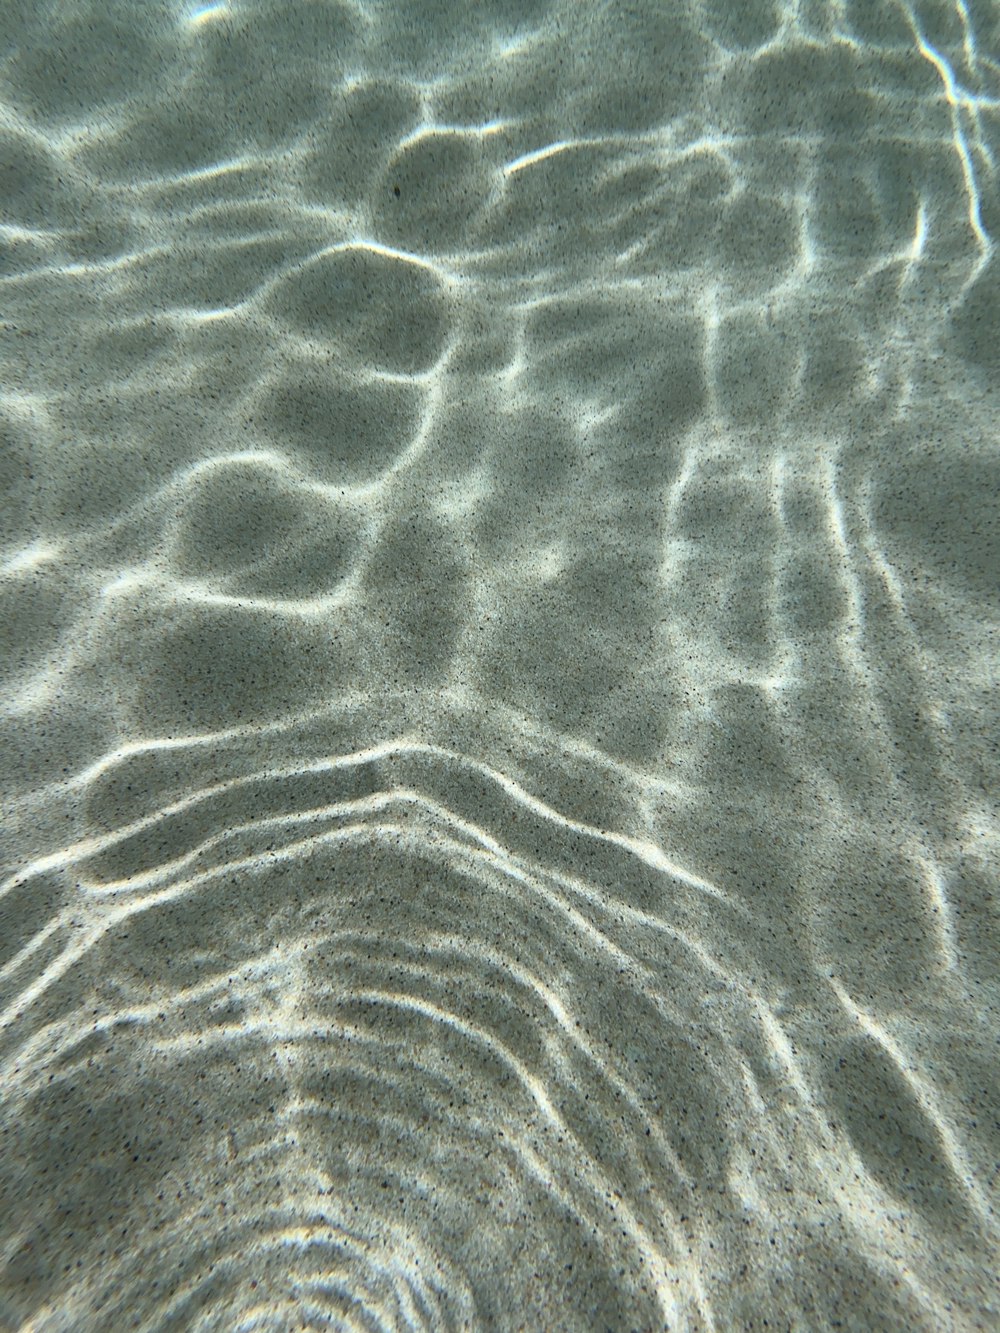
499 597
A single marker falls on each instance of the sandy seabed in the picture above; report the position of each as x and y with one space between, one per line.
498 715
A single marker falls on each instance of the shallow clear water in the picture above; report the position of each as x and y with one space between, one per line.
498 590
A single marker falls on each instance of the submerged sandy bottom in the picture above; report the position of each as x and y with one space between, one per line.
498 771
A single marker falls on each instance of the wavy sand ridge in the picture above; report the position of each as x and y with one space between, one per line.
498 579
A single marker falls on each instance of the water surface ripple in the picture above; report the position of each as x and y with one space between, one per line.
498 579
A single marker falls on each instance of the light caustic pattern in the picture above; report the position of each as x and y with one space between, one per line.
499 573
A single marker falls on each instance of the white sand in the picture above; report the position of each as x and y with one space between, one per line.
499 605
